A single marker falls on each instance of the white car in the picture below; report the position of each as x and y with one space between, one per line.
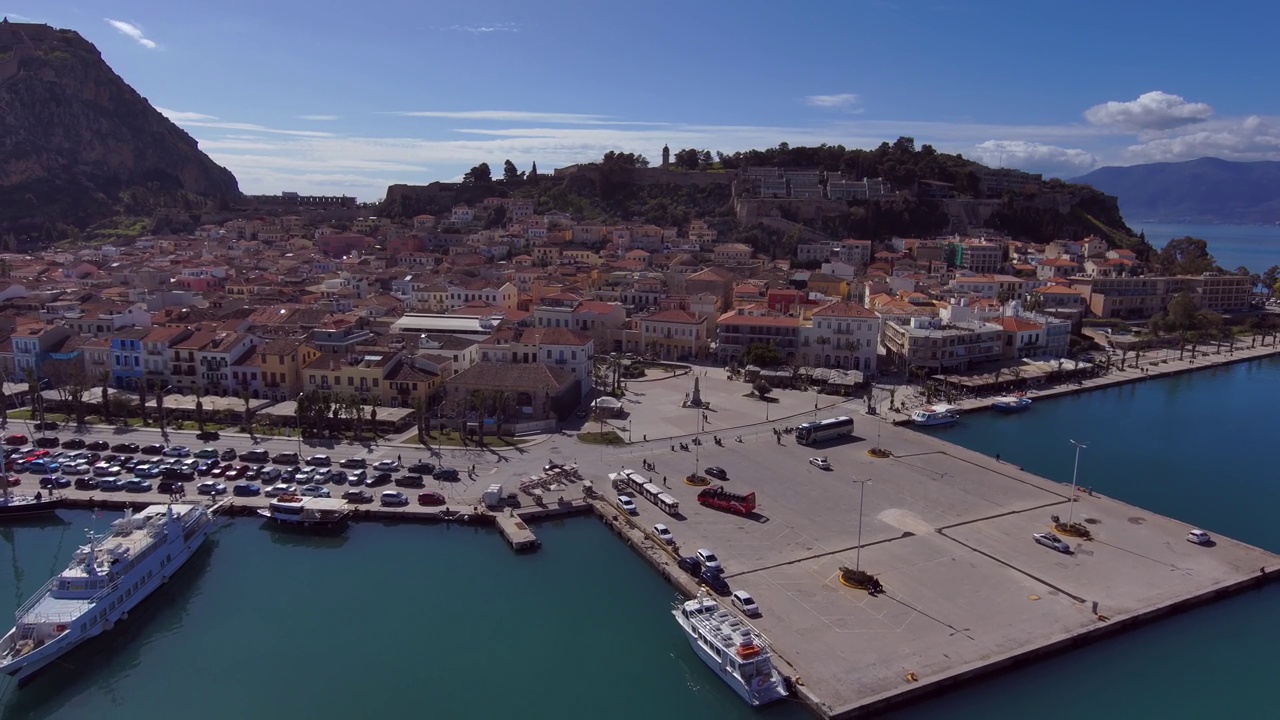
103 469
664 534
177 451
281 489
1199 537
628 505
820 463
709 559
1053 542
80 469
745 603
211 487
386 466
391 497
315 491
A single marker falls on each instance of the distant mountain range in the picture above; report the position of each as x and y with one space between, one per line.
1207 190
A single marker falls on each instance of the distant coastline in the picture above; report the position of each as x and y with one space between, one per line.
1256 247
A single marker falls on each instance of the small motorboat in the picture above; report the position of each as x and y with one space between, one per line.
936 415
1011 403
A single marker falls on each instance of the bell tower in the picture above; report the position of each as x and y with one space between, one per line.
666 157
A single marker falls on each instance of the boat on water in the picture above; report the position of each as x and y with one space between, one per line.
1011 403
107 578
309 513
936 415
732 648
14 506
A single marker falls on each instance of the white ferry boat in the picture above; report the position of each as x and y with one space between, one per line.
308 513
732 648
107 578
936 415
1011 403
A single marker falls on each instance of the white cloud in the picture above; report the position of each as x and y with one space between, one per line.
180 116
1251 138
1034 157
480 29
842 100
132 31
1152 111
320 118
522 116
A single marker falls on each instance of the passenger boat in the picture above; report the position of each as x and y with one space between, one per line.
1011 403
14 506
936 415
308 513
105 580
732 648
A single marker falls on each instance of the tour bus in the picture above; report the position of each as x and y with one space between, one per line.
650 492
812 433
668 504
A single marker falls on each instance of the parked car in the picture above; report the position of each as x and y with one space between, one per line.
137 484
207 467
410 481
211 487
77 469
110 484
664 534
281 489
220 471
745 603
73 444
146 470
209 436
446 474
256 455
177 451
430 498
709 559
106 469
712 579
206 453
102 446
353 463
48 441
86 483
382 478
320 460
386 466
717 472
55 482
551 466
421 468
247 489
627 505
1052 541
126 448
393 498
15 440
177 473
148 449
690 564
1199 537
285 458
314 490
171 486
227 455
820 463
357 496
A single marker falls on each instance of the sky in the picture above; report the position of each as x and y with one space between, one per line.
346 98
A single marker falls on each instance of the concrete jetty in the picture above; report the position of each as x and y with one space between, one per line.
948 532
516 532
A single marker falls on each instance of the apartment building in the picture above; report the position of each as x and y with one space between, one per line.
929 345
674 334
736 331
841 335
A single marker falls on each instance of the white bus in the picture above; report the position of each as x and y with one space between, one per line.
668 504
812 433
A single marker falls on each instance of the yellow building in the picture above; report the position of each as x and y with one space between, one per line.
829 285
278 363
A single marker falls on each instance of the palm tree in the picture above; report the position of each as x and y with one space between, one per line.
104 379
199 410
142 399
244 395
37 400
373 421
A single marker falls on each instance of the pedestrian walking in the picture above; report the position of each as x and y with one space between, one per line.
997 457
664 481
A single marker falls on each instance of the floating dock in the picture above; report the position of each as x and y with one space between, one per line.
517 533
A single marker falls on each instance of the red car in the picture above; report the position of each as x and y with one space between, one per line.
15 440
430 498
14 480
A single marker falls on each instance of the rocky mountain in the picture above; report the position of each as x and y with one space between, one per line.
1207 190
78 145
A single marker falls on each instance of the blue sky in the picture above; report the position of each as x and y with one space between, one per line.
347 97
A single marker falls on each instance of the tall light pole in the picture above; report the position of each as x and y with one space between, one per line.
297 412
862 489
1071 511
160 405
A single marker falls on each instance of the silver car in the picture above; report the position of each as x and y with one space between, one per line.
1052 542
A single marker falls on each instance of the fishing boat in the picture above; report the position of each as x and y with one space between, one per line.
14 506
732 648
308 513
936 415
1011 403
106 579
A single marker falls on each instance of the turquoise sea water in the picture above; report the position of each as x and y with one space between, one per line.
1256 247
445 621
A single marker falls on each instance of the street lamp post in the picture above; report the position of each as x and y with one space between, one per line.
297 405
862 489
160 406
1071 511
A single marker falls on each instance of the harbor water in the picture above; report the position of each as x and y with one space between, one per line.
411 620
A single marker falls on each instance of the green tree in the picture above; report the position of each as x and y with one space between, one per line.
478 175
509 171
497 218
762 355
761 389
687 158
142 399
33 390
104 380
199 409
1270 278
1185 256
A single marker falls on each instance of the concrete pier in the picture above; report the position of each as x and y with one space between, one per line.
516 532
949 534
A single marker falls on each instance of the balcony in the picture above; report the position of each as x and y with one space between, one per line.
561 361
